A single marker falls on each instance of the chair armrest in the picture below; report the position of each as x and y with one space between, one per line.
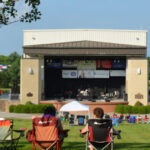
83 134
21 131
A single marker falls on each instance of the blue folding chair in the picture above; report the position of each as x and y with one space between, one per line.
132 119
115 121
81 120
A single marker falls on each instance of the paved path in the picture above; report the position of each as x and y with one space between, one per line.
29 116
15 115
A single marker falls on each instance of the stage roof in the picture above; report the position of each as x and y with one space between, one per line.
86 48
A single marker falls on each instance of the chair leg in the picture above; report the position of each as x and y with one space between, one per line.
58 146
112 145
86 145
33 146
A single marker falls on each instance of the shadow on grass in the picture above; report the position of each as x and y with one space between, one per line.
131 146
20 145
117 146
81 146
73 146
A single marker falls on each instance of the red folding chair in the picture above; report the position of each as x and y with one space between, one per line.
44 133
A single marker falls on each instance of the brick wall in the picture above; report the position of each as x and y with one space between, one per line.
107 106
4 105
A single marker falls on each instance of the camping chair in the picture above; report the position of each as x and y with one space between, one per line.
44 133
80 119
72 120
115 121
132 119
7 138
100 134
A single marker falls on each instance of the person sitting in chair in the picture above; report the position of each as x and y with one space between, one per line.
50 112
98 113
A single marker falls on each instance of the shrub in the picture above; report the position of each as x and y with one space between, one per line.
142 110
29 108
29 103
18 108
25 109
11 108
138 103
135 110
148 109
119 109
127 109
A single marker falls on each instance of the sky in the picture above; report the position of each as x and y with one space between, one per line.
80 14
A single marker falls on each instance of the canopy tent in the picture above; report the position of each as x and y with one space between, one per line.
74 106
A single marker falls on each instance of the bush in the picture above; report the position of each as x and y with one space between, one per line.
25 109
18 108
138 103
12 108
135 110
142 110
29 103
29 108
127 109
148 109
119 109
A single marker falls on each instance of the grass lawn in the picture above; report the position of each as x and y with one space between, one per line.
134 137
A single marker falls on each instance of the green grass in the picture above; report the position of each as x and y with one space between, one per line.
134 136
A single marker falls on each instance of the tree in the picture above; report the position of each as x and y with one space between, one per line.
12 57
4 79
4 60
11 12
14 71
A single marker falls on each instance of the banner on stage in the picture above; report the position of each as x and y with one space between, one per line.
98 64
86 65
69 73
54 63
107 64
117 73
118 63
85 74
101 73
69 63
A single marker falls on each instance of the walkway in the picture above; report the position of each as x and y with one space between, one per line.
15 115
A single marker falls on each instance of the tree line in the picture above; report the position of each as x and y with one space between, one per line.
8 77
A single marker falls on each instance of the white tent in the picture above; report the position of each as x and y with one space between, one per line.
74 106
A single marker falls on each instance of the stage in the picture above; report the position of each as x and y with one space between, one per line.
107 106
